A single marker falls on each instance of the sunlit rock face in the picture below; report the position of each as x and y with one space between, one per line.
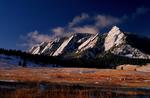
62 47
65 45
92 45
35 49
117 44
89 43
114 38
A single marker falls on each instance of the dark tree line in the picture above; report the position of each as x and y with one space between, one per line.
105 61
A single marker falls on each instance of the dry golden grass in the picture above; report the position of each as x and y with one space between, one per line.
143 68
98 77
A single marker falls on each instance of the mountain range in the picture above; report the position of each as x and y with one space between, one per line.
84 45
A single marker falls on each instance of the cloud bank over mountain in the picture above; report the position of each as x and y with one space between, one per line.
83 23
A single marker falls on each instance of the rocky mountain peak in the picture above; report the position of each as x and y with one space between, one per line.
114 38
92 45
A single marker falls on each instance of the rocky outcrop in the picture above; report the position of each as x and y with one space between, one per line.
114 38
37 49
62 47
129 51
90 45
116 43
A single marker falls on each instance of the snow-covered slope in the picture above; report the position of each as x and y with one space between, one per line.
115 41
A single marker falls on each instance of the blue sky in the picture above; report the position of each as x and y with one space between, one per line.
26 22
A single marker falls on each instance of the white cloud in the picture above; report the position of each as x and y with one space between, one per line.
96 23
58 31
37 37
86 29
78 19
102 21
33 38
92 24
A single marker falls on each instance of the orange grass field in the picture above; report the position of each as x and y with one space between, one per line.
86 76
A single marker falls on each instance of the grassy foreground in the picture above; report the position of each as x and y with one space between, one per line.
85 76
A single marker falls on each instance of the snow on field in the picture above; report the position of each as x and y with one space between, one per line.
13 61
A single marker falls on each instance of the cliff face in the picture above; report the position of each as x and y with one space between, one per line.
114 38
91 45
118 43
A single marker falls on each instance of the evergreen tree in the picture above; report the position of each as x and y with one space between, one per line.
19 63
24 64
